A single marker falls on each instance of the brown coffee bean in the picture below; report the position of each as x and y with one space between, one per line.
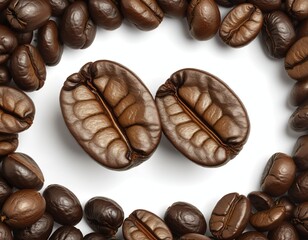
299 93
260 200
143 224
19 114
174 8
8 143
8 42
229 3
58 6
252 235
24 38
241 25
278 175
298 192
21 171
287 204
194 236
285 231
5 75
23 208
5 232
202 117
302 29
94 236
300 219
4 4
203 18
266 5
297 8
145 15
230 216
298 121
5 191
66 233
28 68
300 153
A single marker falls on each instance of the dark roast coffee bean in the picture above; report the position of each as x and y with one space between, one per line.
298 121
8 143
62 204
300 219
260 200
278 33
24 38
21 171
203 18
202 117
296 61
142 224
302 29
40 230
145 15
105 13
66 233
229 3
94 236
19 114
300 153
174 8
299 189
5 75
285 231
194 236
297 8
278 175
299 93
28 15
5 191
241 25
287 204
267 220
182 218
76 28
23 208
58 6
230 216
27 68
120 127
4 4
266 5
49 43
8 42
5 232
252 235
104 215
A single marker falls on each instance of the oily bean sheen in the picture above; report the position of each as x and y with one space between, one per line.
203 18
104 215
278 33
5 232
21 171
296 61
28 15
4 4
266 5
299 93
58 6
285 231
230 216
241 25
142 224
94 236
298 121
18 115
202 117
24 38
260 200
298 192
252 235
5 191
144 14
28 68
300 219
23 208
300 153
67 233
297 8
111 114
5 75
8 143
194 236
62 204
8 42
76 27
173 8
287 204
229 3
302 29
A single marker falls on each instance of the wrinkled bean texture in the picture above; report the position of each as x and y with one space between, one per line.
5 191
67 233
8 143
266 5
298 9
202 117
111 114
252 235
174 8
194 236
289 206
58 6
5 75
298 121
300 220
298 192
285 231
299 93
8 42
260 200
300 153
5 232
229 3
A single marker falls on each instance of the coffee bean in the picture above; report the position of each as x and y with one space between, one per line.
145 15
111 114
142 224
302 29
173 8
23 208
66 233
62 204
4 4
27 68
300 153
260 200
8 42
287 204
299 93
203 18
299 189
266 5
300 220
21 171
297 8
5 75
241 25
5 232
5 191
94 236
298 121
229 3
284 231
19 114
24 38
202 117
252 235
230 216
182 218
58 6
104 215
194 236
8 143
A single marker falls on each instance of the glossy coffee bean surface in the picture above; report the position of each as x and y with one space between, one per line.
66 233
266 5
5 232
298 192
252 235
194 236
5 191
300 219
58 6
5 75
298 9
8 42
300 153
260 200
298 120
8 143
173 8
299 93
284 231
94 236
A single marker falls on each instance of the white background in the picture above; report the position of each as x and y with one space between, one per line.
259 81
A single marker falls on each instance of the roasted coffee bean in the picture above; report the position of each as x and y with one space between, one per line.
296 61
27 68
40 230
300 153
5 191
302 29
5 232
67 233
252 235
105 13
111 114
298 121
297 8
62 204
21 171
299 189
230 216
58 7
260 200
76 27
8 42
23 208
202 117
28 15
5 75
8 143
300 219
287 204
285 231
194 236
299 93
203 18
4 4
278 33
182 218
94 236
19 114
142 224
241 25
24 38
104 215
49 43
278 175
174 8
145 15
267 220
229 3
266 5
